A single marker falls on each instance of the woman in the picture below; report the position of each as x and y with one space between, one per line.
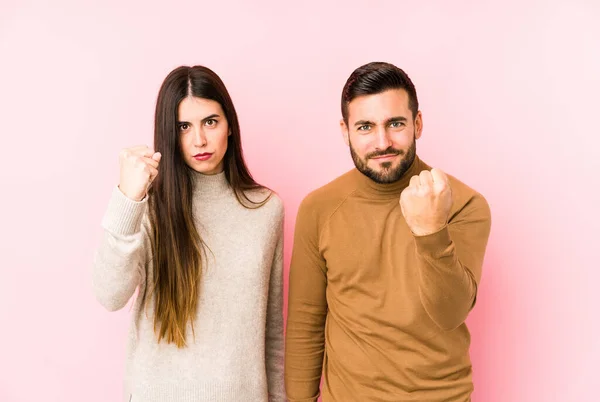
201 241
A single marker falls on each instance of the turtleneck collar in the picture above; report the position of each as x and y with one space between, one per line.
391 190
210 185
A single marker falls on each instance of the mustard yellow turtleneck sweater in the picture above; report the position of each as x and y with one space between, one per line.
374 311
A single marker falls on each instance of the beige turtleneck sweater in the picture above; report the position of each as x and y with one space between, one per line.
237 351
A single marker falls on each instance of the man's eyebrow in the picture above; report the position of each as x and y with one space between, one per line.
395 119
388 121
364 123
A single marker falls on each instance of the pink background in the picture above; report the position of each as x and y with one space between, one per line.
509 95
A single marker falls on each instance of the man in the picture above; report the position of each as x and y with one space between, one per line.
386 262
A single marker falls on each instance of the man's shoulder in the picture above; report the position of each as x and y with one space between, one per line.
466 198
326 199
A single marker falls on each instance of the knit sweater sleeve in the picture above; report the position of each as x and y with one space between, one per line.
119 263
450 263
274 329
307 309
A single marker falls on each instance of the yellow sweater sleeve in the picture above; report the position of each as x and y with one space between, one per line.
307 310
450 263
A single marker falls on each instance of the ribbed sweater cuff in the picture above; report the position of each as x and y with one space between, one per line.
201 392
123 215
434 244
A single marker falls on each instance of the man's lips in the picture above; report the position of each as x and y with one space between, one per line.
386 156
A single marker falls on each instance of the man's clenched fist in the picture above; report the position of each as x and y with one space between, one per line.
426 202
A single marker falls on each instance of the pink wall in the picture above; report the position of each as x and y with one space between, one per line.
509 94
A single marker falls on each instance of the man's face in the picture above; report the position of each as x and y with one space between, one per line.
382 133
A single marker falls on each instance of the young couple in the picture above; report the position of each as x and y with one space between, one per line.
385 265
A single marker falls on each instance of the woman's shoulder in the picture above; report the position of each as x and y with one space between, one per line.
265 199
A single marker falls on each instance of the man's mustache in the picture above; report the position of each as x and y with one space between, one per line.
385 152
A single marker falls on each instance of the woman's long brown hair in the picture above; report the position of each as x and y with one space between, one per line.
176 244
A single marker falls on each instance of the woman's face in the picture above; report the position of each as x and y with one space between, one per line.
203 132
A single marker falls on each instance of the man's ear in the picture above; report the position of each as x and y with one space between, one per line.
418 125
345 134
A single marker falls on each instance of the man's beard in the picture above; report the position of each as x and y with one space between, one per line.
387 174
